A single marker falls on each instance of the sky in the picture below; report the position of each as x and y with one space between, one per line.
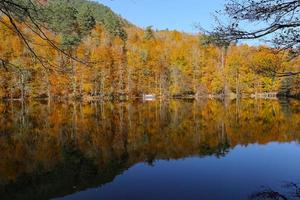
181 15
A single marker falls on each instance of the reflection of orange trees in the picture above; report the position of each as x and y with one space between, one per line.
262 122
33 137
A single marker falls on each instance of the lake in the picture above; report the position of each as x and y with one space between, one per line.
247 149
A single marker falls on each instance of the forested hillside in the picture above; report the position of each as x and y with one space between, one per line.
101 55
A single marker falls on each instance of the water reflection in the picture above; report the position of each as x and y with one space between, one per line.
53 150
291 191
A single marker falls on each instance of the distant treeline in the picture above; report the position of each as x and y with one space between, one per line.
102 55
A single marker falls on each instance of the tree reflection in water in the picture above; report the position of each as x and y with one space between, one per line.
53 150
291 191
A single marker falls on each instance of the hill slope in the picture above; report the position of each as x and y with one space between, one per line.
99 11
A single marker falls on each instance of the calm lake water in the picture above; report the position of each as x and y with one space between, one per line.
152 150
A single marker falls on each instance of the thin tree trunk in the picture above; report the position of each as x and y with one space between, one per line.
74 84
22 87
237 84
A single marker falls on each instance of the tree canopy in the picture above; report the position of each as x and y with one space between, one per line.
277 17
115 58
41 16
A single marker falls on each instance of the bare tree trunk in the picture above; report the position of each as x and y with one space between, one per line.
237 111
102 85
11 93
123 71
22 87
74 122
48 87
223 55
195 68
237 84
80 85
129 81
74 80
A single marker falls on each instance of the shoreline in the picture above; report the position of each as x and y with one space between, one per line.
158 98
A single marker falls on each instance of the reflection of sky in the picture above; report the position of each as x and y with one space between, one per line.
241 172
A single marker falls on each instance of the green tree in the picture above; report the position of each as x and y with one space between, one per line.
149 34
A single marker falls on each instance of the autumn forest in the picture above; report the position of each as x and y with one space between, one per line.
99 55
121 100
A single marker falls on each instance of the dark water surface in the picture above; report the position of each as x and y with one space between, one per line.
171 150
